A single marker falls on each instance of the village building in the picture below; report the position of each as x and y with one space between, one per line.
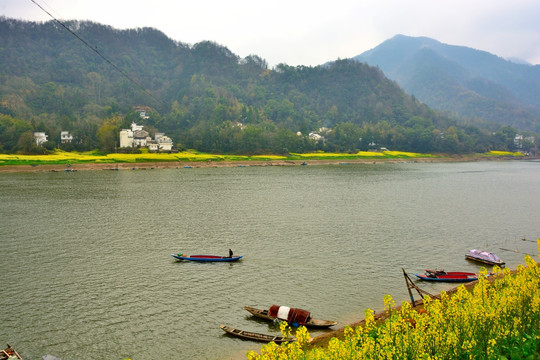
65 137
40 138
165 143
143 111
137 137
314 136
140 138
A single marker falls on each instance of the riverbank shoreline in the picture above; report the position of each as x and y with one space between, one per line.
380 316
236 163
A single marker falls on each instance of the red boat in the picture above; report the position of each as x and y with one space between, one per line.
454 273
450 276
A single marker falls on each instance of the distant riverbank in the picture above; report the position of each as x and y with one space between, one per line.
43 166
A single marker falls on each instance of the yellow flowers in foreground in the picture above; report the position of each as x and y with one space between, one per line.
498 319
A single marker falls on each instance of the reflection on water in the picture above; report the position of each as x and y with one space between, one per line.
86 269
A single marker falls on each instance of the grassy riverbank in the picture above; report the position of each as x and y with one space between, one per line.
92 160
494 318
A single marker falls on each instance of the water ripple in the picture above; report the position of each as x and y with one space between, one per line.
88 269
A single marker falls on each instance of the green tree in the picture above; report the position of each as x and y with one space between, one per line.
108 134
27 144
505 138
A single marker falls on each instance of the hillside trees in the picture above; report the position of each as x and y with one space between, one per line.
205 97
11 130
107 134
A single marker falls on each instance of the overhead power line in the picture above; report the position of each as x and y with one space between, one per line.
94 49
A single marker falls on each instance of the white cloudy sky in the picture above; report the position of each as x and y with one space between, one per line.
302 32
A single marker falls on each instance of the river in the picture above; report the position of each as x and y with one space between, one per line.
87 272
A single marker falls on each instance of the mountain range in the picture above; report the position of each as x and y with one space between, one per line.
207 98
462 81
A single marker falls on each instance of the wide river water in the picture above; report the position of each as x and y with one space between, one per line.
87 274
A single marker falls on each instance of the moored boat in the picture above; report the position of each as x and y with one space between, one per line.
448 277
294 316
206 258
442 272
254 336
484 257
9 353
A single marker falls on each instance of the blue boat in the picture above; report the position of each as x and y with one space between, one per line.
206 258
447 277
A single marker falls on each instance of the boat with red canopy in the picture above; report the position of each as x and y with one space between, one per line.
294 316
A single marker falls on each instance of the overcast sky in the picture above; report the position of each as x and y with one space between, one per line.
302 32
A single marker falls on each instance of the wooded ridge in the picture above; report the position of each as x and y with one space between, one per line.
474 84
205 97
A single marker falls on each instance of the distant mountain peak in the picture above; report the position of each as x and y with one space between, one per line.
518 61
468 82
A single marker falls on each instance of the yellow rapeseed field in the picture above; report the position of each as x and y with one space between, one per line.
504 153
62 157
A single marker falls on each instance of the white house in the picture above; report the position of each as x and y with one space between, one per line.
132 137
126 138
165 143
40 138
315 136
65 137
137 137
142 110
140 138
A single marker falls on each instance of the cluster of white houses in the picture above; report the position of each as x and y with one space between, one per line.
41 137
137 137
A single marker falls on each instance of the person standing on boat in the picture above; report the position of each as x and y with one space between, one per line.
230 253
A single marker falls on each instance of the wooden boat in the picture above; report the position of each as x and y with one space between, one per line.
291 315
484 257
9 353
442 272
254 336
206 258
448 277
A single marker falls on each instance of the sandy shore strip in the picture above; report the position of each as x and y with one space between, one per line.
239 163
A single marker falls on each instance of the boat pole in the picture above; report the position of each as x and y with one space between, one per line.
410 285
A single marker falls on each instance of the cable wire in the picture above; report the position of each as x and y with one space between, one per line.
94 49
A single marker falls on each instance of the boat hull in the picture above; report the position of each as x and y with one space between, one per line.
447 278
206 258
484 261
454 273
9 353
248 335
311 323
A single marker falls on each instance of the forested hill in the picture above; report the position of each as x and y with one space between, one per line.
461 80
204 97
